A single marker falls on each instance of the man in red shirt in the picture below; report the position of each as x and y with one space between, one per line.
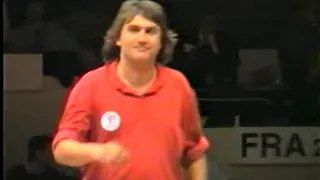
133 118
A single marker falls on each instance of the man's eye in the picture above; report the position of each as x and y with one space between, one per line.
151 31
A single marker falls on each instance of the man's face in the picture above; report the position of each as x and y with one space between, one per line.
140 40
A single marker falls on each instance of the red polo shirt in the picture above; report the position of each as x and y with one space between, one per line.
160 129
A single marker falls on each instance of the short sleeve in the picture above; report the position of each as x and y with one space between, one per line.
75 121
196 144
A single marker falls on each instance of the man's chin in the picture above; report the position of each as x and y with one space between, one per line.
141 58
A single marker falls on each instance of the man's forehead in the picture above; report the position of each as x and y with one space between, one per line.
141 21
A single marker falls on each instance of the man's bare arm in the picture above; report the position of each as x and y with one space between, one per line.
73 153
197 170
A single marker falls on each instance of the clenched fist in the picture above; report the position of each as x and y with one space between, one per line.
111 153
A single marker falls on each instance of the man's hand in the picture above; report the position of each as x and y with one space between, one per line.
111 153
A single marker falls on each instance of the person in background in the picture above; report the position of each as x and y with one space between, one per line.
216 53
37 35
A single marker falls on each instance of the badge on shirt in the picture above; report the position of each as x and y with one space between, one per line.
110 121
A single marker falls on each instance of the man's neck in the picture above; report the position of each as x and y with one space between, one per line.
138 76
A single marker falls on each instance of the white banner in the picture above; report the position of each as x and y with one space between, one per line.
277 145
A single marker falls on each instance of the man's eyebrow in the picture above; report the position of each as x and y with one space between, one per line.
147 27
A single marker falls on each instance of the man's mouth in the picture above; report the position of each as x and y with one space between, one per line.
141 49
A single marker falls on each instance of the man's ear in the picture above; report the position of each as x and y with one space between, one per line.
118 42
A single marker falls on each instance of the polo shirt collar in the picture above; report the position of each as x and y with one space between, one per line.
116 82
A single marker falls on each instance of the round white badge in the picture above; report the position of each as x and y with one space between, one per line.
110 121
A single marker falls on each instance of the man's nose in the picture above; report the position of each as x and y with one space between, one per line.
142 36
